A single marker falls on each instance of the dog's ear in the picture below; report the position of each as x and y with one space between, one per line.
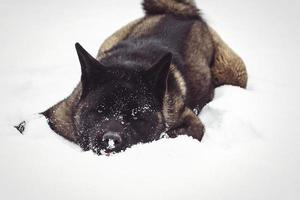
91 69
157 75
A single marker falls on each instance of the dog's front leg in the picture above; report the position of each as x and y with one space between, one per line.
188 124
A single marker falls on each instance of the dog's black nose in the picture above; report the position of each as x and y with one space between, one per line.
112 140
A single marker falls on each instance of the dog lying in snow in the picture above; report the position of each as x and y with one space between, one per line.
152 76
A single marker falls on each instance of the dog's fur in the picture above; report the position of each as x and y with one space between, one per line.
169 60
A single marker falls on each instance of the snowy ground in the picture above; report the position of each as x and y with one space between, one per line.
252 142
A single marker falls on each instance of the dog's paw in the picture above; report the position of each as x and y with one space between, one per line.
189 125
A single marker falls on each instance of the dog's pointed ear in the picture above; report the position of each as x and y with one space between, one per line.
87 61
157 75
91 69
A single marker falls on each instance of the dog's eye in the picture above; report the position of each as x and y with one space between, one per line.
100 109
139 118
135 118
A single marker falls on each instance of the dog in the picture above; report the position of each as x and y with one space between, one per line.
152 76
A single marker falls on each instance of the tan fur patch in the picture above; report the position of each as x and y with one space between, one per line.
117 37
173 102
172 106
61 115
228 67
180 80
146 26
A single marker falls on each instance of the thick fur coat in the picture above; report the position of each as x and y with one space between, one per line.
169 61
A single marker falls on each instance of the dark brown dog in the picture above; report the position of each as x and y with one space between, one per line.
152 76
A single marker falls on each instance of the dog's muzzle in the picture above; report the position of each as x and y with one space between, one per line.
112 140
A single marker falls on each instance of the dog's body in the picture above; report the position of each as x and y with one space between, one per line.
169 62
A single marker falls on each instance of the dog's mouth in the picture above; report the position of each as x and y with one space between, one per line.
111 148
107 152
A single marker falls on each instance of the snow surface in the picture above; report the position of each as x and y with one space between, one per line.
252 141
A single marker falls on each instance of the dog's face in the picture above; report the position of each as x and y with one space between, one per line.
120 106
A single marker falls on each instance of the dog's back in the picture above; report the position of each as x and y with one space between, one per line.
176 27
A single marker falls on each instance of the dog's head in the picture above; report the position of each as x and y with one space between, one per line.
120 105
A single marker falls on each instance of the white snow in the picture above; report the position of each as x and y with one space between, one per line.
252 141
111 144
